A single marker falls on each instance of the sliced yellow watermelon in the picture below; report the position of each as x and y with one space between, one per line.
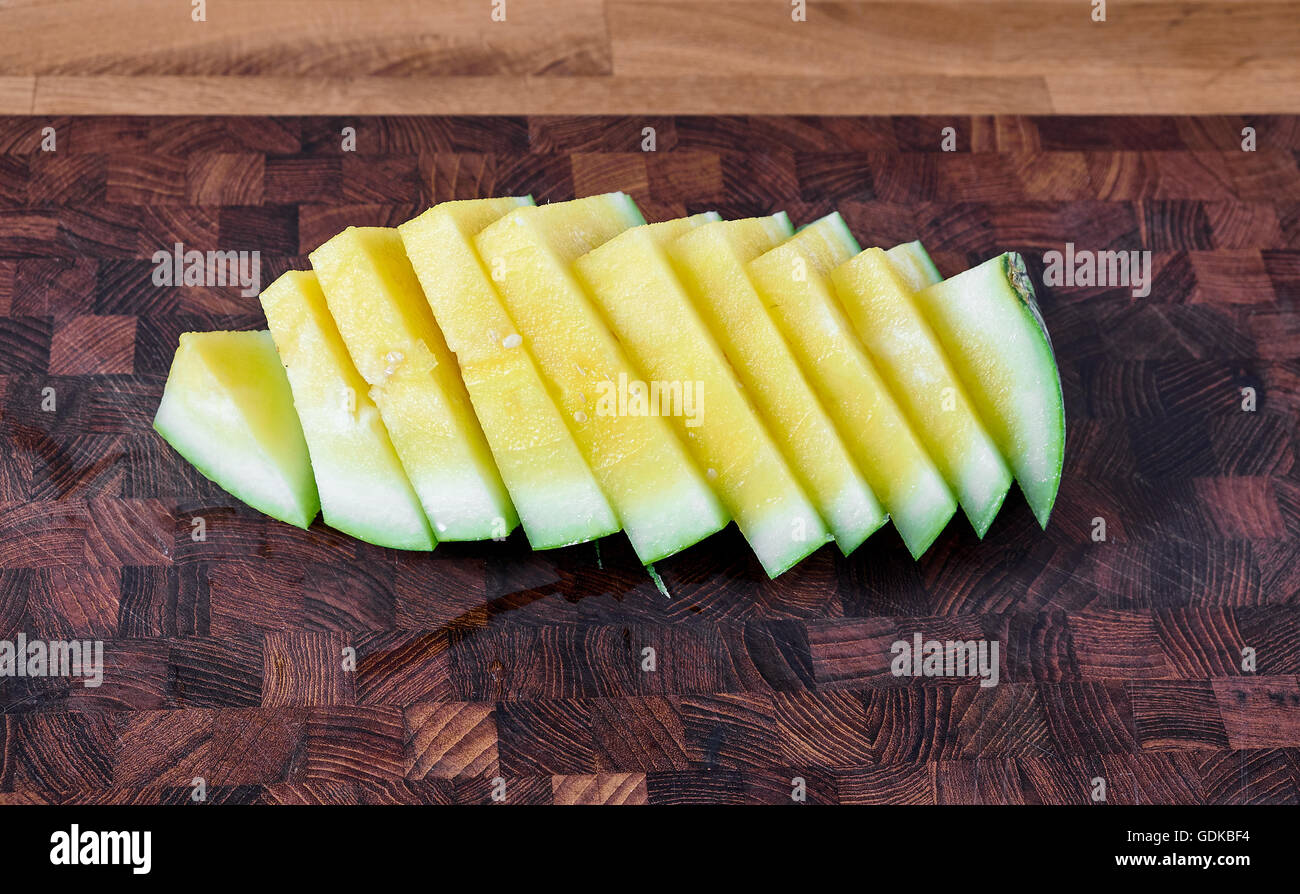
711 262
633 282
661 498
990 326
227 408
910 359
363 489
557 497
913 263
390 333
794 280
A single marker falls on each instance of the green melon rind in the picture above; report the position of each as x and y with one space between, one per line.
388 537
780 225
634 216
190 432
298 516
838 228
379 536
1000 289
674 547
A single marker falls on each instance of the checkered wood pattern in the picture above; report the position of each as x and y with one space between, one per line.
224 659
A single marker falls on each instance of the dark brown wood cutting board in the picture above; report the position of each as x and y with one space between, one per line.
1121 659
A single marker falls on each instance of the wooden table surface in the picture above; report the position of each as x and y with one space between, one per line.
1121 659
649 56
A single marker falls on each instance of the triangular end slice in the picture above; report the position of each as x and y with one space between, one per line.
991 327
227 409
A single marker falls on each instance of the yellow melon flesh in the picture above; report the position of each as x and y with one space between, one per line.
633 282
989 323
374 296
660 496
911 360
363 489
794 280
227 408
711 261
556 495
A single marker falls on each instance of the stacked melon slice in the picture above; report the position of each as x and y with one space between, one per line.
570 368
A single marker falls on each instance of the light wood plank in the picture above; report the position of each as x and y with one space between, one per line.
17 95
337 38
649 56
541 96
986 39
1258 88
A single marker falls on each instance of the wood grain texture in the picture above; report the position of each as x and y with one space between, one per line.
485 665
649 56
